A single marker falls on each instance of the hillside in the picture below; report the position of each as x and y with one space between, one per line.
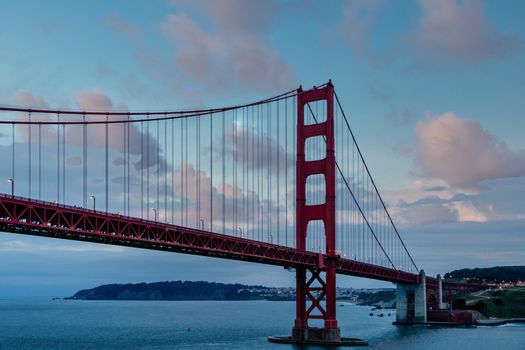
502 303
180 290
496 274
186 290
384 299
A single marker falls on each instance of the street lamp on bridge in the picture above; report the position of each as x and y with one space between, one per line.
12 182
94 202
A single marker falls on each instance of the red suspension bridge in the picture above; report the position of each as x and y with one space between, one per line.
281 181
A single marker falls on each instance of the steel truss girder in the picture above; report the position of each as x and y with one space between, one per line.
39 218
26 216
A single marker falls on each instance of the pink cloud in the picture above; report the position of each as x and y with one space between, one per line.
423 214
462 153
27 99
454 29
213 197
94 100
233 51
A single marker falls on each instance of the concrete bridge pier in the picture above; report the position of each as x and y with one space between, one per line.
411 300
441 305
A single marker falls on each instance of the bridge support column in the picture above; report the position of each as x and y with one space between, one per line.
440 292
411 301
313 291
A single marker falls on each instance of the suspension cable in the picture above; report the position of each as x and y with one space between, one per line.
373 182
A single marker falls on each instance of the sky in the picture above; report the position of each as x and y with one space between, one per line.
433 91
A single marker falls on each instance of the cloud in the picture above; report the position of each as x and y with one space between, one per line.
259 151
237 204
463 154
230 50
403 149
125 28
358 20
252 16
423 214
432 210
94 100
215 46
119 161
414 204
448 32
459 30
27 99
435 189
467 211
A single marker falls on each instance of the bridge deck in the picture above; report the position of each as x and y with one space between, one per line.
39 218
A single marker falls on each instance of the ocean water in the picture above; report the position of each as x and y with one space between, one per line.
41 323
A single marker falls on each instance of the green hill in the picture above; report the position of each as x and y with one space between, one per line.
501 303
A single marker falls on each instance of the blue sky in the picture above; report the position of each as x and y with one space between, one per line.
434 91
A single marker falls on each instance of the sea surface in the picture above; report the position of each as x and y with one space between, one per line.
42 323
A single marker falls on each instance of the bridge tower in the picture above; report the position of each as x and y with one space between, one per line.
325 212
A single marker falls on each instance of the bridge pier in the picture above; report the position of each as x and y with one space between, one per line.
440 292
411 301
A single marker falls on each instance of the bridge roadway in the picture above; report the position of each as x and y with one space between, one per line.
39 218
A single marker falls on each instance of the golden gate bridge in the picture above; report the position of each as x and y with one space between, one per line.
281 181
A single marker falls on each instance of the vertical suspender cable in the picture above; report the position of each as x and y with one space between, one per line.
165 169
107 161
286 171
58 158
198 218
13 153
125 166
259 194
235 161
29 151
186 167
84 160
64 163
244 191
269 165
40 161
294 150
211 172
253 172
142 165
158 170
165 165
128 158
223 175
173 171
148 140
254 194
182 171
278 174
